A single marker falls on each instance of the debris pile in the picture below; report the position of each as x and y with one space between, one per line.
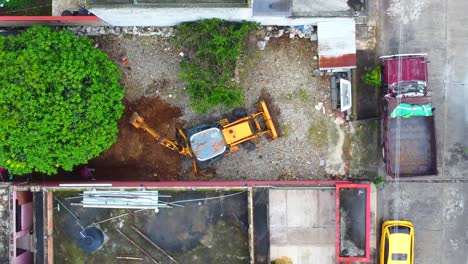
302 31
165 32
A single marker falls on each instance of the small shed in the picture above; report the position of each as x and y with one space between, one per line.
337 44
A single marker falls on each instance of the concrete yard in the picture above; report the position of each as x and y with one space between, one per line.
302 225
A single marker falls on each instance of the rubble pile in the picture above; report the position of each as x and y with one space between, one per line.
268 32
165 32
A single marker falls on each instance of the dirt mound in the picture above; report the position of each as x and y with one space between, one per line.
136 156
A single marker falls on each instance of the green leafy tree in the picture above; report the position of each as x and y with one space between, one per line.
60 100
217 45
372 78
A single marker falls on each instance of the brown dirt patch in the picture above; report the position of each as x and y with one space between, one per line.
136 156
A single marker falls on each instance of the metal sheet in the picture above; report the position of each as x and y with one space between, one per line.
121 199
337 44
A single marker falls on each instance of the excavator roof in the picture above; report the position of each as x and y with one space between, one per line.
208 144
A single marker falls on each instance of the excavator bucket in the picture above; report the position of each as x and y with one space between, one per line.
136 120
268 121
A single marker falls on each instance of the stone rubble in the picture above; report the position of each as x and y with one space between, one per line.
266 33
165 32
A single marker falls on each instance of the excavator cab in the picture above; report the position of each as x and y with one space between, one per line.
207 143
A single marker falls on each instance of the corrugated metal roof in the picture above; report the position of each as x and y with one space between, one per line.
336 44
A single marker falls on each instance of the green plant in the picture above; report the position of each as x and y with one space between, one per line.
372 78
379 180
60 100
27 7
217 44
303 95
4 2
317 134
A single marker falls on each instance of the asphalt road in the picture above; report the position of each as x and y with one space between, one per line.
435 204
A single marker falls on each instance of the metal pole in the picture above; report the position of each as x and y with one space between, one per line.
137 246
130 258
154 245
119 216
76 218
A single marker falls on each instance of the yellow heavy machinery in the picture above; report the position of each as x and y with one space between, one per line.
208 143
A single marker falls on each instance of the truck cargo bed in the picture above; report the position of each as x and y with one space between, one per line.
417 146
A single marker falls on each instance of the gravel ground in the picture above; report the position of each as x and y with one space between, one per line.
311 146
307 149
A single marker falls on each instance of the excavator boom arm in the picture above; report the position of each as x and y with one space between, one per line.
138 122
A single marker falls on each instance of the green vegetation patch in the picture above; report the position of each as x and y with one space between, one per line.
372 78
300 93
209 72
317 134
60 100
26 7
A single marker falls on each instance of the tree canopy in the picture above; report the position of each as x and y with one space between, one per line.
60 100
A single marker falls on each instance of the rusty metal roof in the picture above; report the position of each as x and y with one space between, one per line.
337 44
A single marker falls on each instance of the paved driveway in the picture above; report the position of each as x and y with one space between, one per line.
436 205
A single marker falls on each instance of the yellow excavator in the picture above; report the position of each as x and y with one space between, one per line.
208 143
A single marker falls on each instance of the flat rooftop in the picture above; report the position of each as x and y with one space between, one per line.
302 225
210 227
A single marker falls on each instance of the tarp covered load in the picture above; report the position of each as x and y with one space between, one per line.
407 110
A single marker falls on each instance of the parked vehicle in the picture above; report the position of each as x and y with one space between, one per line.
409 144
397 242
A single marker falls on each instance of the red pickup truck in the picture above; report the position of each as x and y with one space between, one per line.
409 144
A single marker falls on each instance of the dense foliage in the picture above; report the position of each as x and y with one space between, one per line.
209 73
3 2
372 78
60 99
26 7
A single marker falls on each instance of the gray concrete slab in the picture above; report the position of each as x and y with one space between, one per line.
277 212
455 224
428 244
420 203
456 94
326 214
304 230
302 208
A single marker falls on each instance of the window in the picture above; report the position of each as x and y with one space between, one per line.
399 230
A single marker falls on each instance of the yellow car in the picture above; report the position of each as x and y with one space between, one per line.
397 242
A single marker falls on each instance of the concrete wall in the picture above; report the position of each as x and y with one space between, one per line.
173 16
